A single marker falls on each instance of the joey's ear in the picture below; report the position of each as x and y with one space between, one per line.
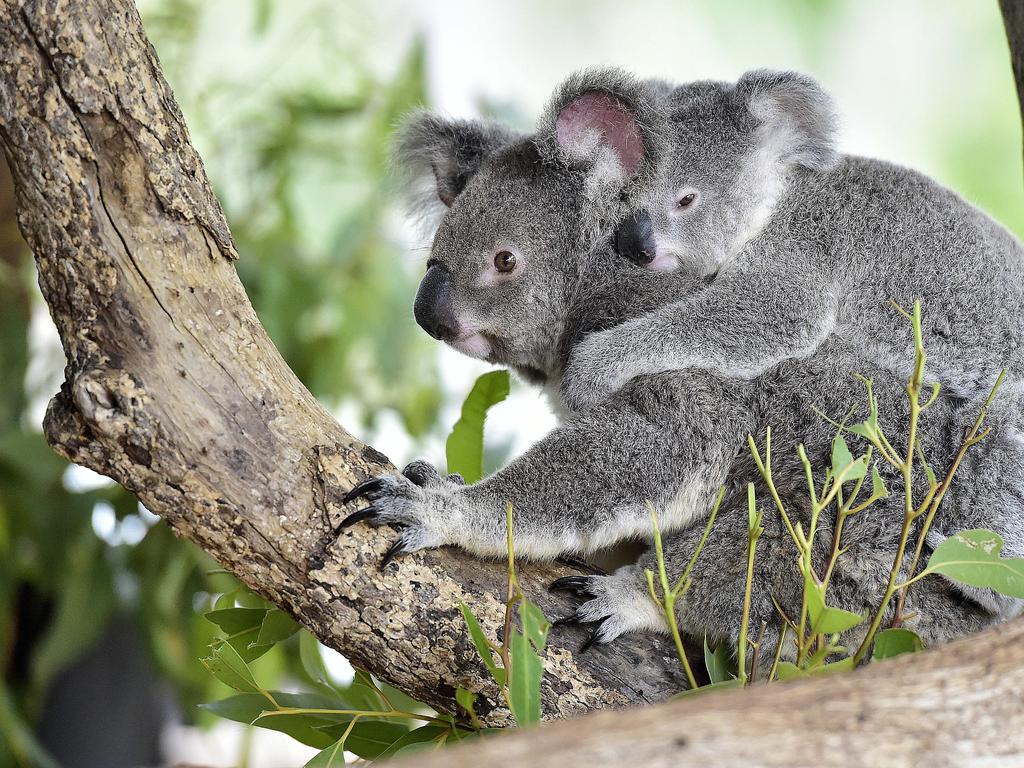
603 118
444 154
796 117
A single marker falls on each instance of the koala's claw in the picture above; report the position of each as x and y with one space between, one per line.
363 514
365 488
579 585
418 503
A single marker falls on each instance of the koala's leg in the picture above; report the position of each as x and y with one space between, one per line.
668 440
743 324
712 608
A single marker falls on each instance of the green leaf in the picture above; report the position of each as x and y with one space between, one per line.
465 447
329 757
972 558
465 699
826 620
417 738
719 663
524 685
878 489
535 625
787 670
895 642
312 661
277 626
247 707
481 644
721 685
841 456
241 627
368 738
227 666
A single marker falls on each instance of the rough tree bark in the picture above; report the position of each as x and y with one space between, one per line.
174 390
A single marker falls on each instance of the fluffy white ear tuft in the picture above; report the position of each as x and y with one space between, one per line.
444 154
796 117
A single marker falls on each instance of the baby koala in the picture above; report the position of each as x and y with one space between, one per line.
797 243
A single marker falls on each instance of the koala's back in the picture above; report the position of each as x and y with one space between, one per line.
894 233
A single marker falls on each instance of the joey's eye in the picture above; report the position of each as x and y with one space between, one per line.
504 261
686 200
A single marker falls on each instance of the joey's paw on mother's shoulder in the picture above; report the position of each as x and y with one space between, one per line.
590 375
415 502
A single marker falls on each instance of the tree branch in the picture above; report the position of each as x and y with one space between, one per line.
174 389
959 706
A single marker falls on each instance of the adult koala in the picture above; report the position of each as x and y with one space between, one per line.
520 273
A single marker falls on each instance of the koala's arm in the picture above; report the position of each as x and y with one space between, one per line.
586 485
740 326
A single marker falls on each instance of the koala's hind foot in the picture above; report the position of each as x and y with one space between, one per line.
613 604
402 501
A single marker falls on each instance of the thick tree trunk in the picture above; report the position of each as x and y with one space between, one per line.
174 390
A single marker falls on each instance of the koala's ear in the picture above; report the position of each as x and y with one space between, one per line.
604 118
796 117
444 153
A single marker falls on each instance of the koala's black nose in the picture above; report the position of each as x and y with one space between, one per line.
634 239
433 305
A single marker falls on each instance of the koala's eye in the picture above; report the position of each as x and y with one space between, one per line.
686 200
504 261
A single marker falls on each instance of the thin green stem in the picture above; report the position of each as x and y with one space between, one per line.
754 531
668 599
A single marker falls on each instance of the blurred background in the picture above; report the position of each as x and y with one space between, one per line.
291 105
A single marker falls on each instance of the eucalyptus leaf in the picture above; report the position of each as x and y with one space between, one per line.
972 558
465 446
721 685
524 683
479 639
417 738
895 642
332 756
719 663
227 666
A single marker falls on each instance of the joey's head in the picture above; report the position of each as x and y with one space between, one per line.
524 217
734 152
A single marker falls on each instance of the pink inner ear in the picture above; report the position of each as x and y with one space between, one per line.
602 112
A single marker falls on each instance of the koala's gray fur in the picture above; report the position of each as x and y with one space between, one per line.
668 371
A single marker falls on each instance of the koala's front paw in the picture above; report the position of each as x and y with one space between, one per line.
613 604
591 375
417 502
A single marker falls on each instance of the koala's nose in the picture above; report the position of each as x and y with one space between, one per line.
433 305
634 239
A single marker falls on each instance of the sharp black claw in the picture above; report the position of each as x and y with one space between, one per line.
579 585
590 641
370 485
396 549
355 517
571 620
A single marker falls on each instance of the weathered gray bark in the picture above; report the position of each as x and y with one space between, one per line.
174 390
